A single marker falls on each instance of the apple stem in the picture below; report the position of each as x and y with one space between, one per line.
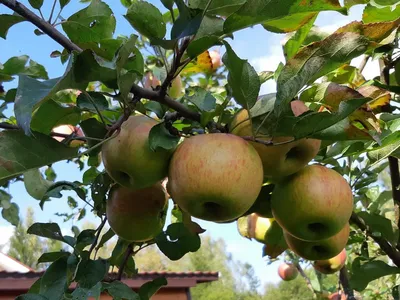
344 280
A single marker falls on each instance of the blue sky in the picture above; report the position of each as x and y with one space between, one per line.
260 47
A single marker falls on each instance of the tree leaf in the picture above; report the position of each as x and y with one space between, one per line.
20 153
11 214
296 41
7 21
289 23
91 24
36 3
146 19
63 3
255 12
99 189
35 184
242 79
160 137
379 224
168 4
369 271
388 146
54 281
386 2
31 297
15 65
203 99
218 7
50 231
55 189
89 175
105 238
85 238
119 290
373 14
90 272
177 240
52 256
93 128
148 289
188 21
84 102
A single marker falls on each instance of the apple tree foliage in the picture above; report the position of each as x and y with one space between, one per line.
105 81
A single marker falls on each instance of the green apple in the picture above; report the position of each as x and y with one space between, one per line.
128 158
137 215
280 160
215 177
319 250
313 204
176 89
331 265
287 272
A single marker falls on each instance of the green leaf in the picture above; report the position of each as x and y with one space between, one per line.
51 114
105 238
50 231
36 3
379 224
20 153
90 272
242 78
15 65
200 45
218 7
350 3
289 23
52 256
93 128
54 281
168 4
119 290
386 2
99 190
55 189
63 3
31 297
11 214
389 145
85 101
187 23
35 184
146 19
156 108
7 21
36 70
160 137
89 175
373 14
91 24
255 12
148 289
314 61
85 238
369 271
177 240
296 41
203 99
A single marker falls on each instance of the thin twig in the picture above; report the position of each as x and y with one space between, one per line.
128 253
97 236
41 14
52 11
41 24
344 280
266 143
308 281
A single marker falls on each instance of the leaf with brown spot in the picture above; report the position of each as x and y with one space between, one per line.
380 96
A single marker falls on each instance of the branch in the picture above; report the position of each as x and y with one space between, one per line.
386 247
128 253
344 280
96 239
304 275
363 63
46 27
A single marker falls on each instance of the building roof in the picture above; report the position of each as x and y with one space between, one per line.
9 264
16 281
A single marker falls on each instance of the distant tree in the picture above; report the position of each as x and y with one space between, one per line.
25 247
288 290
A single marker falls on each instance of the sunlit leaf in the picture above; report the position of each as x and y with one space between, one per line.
7 21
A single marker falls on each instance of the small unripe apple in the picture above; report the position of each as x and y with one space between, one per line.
69 129
215 59
331 265
151 81
175 91
337 296
282 159
313 204
319 250
137 215
215 177
287 272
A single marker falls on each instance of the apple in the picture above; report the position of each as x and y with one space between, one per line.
151 81
331 265
128 158
319 250
215 177
281 160
175 90
137 215
215 59
337 296
254 227
287 272
313 204
69 129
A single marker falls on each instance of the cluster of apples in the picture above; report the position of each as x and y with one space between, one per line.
311 203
